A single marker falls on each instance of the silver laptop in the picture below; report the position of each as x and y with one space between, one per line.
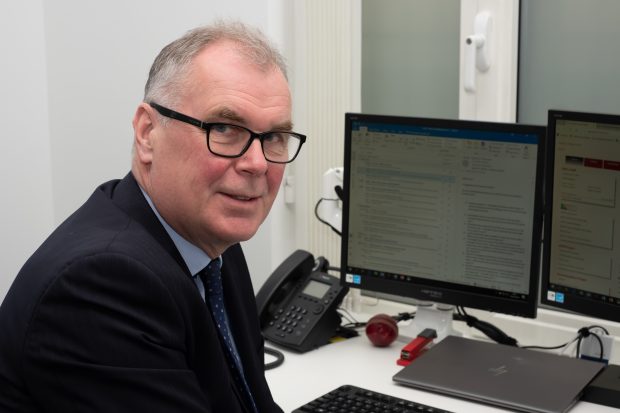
505 376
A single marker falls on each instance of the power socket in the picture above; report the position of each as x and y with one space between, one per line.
590 348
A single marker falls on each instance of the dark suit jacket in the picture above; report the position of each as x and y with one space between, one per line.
104 317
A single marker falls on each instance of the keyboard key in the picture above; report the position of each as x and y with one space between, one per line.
352 399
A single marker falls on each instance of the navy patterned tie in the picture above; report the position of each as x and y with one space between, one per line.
214 295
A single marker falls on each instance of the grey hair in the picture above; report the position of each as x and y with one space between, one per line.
167 78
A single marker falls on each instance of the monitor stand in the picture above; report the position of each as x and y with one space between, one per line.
429 315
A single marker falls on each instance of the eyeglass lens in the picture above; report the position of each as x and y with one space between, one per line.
231 140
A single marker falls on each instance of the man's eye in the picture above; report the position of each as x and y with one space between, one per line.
223 128
276 137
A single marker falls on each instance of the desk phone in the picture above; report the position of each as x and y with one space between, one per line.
297 304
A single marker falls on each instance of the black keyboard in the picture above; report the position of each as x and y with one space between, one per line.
351 399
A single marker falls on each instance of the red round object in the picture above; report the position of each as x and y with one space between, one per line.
381 330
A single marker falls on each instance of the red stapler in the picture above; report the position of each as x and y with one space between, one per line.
416 347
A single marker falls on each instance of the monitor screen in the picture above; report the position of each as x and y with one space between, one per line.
581 258
447 211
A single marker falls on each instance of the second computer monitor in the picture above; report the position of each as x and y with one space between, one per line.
581 271
446 211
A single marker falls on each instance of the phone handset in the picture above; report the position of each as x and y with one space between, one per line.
283 279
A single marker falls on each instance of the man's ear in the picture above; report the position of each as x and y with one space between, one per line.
144 125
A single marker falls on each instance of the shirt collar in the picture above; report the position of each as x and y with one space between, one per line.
195 258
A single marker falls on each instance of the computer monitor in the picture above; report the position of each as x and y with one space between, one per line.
444 211
581 255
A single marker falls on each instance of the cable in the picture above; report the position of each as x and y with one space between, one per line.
603 329
352 322
559 346
581 334
346 315
316 213
360 324
491 331
586 332
275 353
403 316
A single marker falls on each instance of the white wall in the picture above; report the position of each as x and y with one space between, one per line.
71 76
26 214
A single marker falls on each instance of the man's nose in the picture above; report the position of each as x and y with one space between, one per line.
254 159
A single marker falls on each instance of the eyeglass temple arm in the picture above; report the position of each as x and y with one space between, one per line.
176 115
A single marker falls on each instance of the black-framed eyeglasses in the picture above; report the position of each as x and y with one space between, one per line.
232 141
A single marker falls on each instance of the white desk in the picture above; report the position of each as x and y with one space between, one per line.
303 377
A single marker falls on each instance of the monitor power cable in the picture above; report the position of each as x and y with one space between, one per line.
491 331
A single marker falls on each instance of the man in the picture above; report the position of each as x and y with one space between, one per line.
114 312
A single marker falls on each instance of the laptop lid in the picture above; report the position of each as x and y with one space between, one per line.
505 376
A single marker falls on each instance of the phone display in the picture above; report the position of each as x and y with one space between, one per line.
316 289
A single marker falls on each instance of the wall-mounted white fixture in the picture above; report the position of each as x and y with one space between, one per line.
330 209
478 50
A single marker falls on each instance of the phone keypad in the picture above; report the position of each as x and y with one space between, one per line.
288 321
301 322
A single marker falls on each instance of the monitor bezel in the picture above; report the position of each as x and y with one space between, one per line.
575 303
442 292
